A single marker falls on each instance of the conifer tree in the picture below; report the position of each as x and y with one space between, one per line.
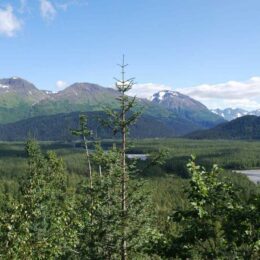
120 121
111 210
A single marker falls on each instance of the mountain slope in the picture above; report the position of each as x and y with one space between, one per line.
17 96
22 89
246 127
77 97
186 107
57 127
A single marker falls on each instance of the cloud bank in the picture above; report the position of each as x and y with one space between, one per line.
245 94
9 23
234 94
146 90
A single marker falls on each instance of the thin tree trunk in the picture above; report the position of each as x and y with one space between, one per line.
89 164
123 194
123 184
100 171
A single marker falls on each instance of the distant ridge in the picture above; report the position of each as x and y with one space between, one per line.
243 128
57 127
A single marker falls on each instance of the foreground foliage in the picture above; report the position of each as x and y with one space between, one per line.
51 219
217 224
38 225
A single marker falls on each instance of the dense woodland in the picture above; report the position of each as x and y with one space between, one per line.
57 127
163 194
242 128
88 201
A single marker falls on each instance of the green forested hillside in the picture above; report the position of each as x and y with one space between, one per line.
243 128
57 127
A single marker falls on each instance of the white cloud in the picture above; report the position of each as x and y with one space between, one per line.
60 85
227 90
244 94
49 8
48 11
9 23
146 90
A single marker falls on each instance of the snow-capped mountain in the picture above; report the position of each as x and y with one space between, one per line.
175 100
20 90
255 112
233 113
186 107
230 113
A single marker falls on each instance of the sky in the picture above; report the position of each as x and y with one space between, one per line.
208 49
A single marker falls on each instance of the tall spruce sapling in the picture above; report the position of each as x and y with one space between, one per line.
120 122
111 210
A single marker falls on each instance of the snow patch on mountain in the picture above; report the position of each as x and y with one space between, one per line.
233 113
4 86
163 94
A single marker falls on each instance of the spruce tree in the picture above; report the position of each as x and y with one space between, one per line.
120 121
111 210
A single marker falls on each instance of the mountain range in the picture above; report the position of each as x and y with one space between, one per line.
21 103
233 113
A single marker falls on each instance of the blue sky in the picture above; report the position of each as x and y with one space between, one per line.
208 49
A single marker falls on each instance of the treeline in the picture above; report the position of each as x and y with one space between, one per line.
228 154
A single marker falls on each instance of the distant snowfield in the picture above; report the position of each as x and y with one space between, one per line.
253 175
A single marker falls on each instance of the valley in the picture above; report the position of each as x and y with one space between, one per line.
229 155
